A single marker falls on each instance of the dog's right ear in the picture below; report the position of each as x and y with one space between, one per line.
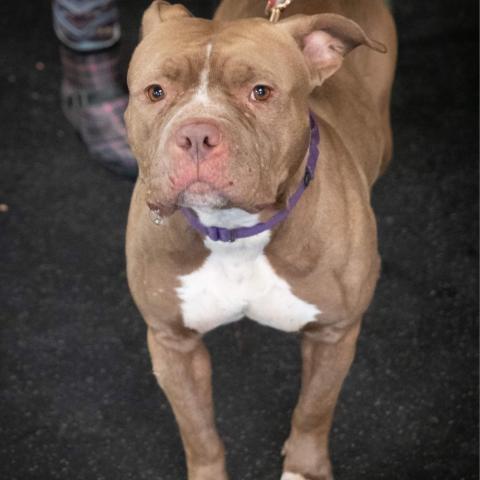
159 12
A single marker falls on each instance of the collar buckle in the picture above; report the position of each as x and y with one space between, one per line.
222 234
308 177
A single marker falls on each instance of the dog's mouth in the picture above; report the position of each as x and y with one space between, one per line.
198 194
202 194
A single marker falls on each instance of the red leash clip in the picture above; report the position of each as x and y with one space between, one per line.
275 8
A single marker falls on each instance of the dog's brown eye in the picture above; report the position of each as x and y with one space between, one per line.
155 93
261 93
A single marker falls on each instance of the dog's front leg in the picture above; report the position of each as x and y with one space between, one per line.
182 367
326 361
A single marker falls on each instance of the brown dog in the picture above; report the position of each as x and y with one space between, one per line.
219 122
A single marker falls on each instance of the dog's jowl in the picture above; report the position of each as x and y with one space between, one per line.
258 143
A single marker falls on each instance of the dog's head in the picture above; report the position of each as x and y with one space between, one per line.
218 111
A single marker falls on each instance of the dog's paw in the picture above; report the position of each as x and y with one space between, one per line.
292 476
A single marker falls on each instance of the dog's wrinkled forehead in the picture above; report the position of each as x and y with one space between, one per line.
295 49
239 52
170 50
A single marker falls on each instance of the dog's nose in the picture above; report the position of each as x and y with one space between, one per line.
198 139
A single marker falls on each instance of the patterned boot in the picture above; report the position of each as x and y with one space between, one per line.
93 94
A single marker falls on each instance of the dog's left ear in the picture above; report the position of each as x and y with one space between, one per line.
325 39
159 12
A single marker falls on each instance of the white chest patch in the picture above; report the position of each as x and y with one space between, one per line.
237 280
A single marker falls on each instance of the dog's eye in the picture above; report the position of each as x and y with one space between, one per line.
261 93
155 93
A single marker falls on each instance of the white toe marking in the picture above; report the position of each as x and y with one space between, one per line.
292 476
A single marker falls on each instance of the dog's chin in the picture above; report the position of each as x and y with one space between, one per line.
202 195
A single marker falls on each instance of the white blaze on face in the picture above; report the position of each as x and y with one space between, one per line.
200 104
201 94
237 280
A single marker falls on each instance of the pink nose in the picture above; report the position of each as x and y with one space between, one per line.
198 140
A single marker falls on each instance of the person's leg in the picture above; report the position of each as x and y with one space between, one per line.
93 93
86 25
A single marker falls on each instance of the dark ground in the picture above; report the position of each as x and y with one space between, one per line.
77 400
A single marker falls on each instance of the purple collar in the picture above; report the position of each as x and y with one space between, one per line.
231 234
